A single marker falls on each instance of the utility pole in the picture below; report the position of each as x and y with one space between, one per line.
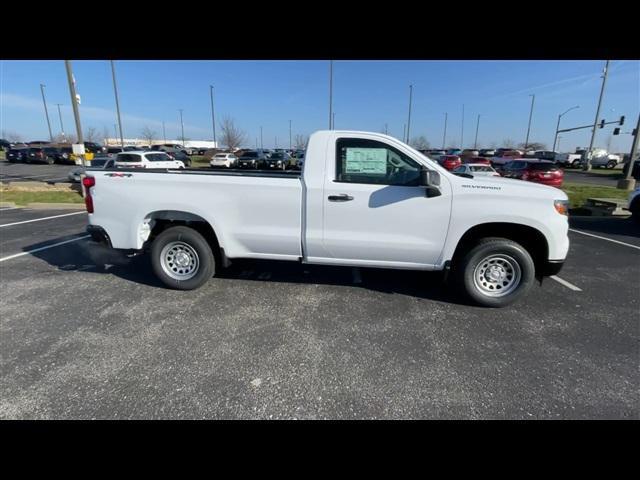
444 135
462 132
74 103
475 142
409 119
213 117
64 137
555 139
330 94
587 165
115 89
46 112
629 183
526 142
182 125
289 134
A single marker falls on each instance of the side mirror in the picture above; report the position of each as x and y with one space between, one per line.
429 178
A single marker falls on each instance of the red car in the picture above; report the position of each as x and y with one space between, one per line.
546 173
450 161
482 160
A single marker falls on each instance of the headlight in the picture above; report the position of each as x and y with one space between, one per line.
561 206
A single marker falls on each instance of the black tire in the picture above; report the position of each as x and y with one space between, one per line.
50 160
575 164
611 164
206 266
484 249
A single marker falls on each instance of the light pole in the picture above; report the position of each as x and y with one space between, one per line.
64 137
213 117
330 94
46 112
475 142
587 165
409 119
558 127
115 131
526 142
164 133
462 131
404 131
182 126
559 137
386 130
444 135
333 121
289 134
629 183
276 142
74 103
261 144
115 89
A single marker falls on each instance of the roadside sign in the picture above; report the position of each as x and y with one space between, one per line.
78 148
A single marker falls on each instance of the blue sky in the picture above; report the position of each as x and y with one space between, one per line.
367 94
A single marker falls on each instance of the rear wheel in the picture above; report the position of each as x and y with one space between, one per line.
611 164
575 163
496 272
182 258
50 160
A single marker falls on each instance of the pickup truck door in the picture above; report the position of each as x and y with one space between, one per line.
375 212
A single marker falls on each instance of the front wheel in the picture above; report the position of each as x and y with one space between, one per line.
496 272
611 164
182 258
575 164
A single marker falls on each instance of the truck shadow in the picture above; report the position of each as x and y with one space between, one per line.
81 256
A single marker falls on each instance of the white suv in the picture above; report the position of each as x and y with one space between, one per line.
227 160
142 159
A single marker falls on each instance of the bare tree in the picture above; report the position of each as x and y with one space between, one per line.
508 143
533 146
301 141
91 135
59 138
232 136
420 143
13 137
493 145
148 134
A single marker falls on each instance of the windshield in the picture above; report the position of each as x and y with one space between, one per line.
157 157
250 154
481 168
277 156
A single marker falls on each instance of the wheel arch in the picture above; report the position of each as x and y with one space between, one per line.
531 239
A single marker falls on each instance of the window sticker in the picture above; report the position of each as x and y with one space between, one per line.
366 160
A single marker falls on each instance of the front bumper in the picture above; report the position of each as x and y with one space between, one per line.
551 267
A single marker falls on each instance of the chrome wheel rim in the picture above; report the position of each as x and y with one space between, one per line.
497 275
179 261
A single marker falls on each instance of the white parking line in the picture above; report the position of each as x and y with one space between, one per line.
9 176
41 219
570 286
2 209
46 247
604 238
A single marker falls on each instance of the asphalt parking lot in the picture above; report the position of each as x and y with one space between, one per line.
34 172
277 340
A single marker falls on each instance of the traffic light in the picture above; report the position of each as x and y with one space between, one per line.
621 120
602 123
616 131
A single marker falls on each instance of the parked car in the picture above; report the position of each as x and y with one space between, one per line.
435 154
113 151
476 169
4 144
573 160
454 151
16 155
38 143
93 147
43 155
363 199
547 173
143 159
483 160
544 155
278 160
450 161
468 152
226 160
103 163
251 159
486 152
634 204
174 153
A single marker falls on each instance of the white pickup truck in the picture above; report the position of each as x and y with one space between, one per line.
362 199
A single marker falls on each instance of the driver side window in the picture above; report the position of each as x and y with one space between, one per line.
370 161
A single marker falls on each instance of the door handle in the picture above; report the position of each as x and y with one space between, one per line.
343 197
